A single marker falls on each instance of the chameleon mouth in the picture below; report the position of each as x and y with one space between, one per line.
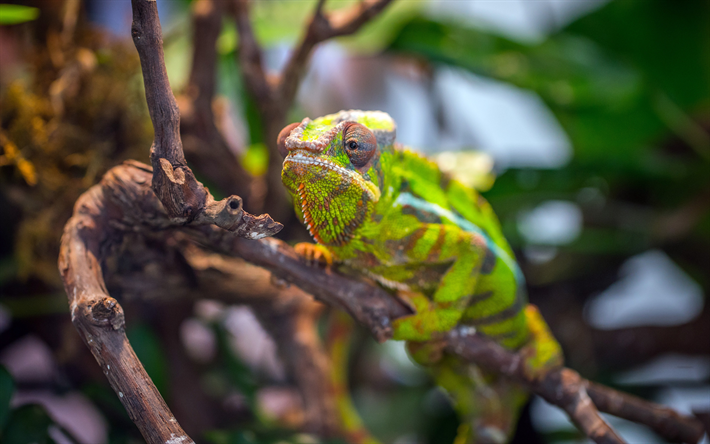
300 157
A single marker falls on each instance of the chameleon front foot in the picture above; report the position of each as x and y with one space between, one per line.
314 253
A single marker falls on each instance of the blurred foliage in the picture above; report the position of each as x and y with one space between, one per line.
14 14
628 82
26 423
633 100
62 127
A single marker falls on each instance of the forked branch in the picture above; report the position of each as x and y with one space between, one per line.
124 201
185 199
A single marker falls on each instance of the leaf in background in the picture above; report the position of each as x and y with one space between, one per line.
149 350
14 14
668 41
7 388
28 424
596 98
256 159
600 76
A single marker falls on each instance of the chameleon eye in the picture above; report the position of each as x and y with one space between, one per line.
360 144
283 135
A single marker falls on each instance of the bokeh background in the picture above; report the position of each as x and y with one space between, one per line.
585 123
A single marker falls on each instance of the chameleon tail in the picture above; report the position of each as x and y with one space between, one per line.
487 406
340 330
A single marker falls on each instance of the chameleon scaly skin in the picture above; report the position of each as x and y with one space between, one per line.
392 215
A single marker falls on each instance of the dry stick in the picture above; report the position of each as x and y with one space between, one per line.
289 314
665 421
205 147
185 199
100 321
323 27
124 201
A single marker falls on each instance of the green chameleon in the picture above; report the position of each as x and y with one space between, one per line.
391 215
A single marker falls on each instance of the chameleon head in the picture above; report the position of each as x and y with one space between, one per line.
333 170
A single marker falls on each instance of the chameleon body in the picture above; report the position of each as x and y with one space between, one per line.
391 215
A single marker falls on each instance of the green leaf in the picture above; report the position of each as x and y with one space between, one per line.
668 41
28 424
7 388
149 350
256 159
14 14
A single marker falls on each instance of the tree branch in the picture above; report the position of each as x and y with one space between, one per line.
205 147
185 199
99 318
323 27
251 59
123 201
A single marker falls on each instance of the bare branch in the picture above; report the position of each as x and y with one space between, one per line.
250 59
563 388
664 421
323 27
123 201
205 147
99 318
185 199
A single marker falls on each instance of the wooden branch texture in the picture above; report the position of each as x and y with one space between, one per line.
123 201
185 199
99 318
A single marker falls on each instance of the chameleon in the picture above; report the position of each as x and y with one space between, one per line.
390 214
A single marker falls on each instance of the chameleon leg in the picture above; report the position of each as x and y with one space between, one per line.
487 407
339 333
542 353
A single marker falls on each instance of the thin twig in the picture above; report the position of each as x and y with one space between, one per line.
662 420
321 28
205 147
251 58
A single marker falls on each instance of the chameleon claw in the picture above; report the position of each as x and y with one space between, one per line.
314 254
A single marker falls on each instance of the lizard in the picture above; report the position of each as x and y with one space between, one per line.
391 215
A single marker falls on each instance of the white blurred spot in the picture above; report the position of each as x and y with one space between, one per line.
209 310
75 412
548 418
512 125
539 254
667 368
555 222
198 339
652 291
395 362
29 360
252 343
519 19
685 399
